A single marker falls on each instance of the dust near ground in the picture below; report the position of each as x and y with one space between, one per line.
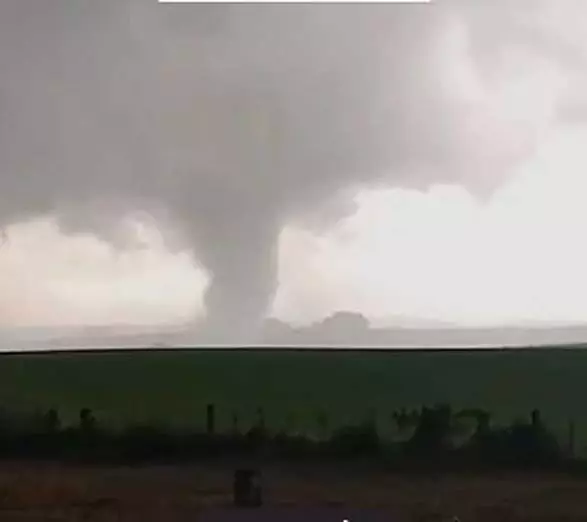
52 492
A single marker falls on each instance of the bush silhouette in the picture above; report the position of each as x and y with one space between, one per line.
432 435
52 421
530 444
524 444
87 421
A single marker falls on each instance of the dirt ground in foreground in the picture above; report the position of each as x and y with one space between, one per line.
51 492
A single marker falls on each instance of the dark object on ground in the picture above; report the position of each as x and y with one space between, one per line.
247 488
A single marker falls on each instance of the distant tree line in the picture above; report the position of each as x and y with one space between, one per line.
432 439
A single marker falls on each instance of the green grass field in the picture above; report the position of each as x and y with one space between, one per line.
292 386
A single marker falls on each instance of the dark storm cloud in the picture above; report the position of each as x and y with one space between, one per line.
235 118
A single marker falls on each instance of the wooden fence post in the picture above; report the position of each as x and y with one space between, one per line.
210 419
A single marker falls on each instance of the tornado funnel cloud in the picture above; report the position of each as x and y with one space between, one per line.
241 259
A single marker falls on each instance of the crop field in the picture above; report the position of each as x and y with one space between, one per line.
296 387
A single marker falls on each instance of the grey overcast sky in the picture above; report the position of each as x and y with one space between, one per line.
159 162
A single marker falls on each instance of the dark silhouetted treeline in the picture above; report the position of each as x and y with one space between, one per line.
429 438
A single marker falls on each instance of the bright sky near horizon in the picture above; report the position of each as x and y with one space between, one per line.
439 253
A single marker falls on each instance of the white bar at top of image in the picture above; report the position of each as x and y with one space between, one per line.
293 1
